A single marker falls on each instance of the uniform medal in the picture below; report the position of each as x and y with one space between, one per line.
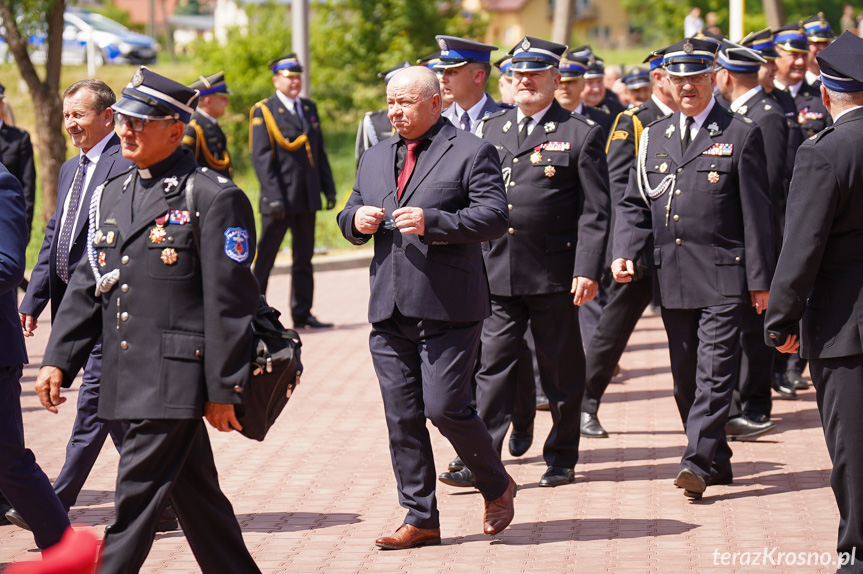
102 261
169 256
713 177
157 234
549 171
109 239
536 156
663 167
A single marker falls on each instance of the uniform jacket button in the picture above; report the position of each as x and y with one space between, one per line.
124 260
676 218
678 241
124 316
124 345
676 192
511 231
238 389
737 259
509 206
515 160
124 287
512 184
197 352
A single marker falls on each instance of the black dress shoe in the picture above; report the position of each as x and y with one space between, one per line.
741 428
16 519
542 402
455 464
757 417
693 485
463 478
312 323
556 476
519 442
590 426
795 379
785 390
719 479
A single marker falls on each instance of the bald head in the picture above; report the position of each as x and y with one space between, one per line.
413 101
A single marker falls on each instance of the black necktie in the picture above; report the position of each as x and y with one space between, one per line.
71 217
687 132
522 133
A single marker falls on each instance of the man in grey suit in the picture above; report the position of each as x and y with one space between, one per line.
464 68
429 196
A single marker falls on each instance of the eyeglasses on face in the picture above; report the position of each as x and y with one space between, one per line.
137 125
694 80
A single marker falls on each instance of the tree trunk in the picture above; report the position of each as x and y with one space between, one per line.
45 96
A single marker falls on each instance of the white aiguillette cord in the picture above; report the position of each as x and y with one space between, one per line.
106 282
644 184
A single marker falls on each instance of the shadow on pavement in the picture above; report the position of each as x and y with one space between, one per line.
526 534
293 521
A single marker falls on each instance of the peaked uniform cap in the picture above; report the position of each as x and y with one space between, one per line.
792 38
690 57
286 65
762 42
818 29
736 58
535 55
842 64
636 78
456 52
505 66
151 96
212 84
571 67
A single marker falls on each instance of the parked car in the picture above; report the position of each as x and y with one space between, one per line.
114 43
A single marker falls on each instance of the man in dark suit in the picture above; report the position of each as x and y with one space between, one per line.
463 70
21 480
203 135
815 297
626 301
174 314
737 81
89 122
16 153
549 261
699 188
292 166
375 126
429 196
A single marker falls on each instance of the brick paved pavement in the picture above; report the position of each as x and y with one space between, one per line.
316 494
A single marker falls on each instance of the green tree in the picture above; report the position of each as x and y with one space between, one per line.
21 19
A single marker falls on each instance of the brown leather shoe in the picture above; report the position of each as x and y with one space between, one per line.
500 511
409 536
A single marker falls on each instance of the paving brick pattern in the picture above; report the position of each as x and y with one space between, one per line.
314 496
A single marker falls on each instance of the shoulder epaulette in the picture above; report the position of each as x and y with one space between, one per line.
494 115
583 118
214 176
658 120
817 137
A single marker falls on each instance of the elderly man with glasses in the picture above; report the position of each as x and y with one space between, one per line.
700 191
169 287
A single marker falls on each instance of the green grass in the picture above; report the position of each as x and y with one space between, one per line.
339 136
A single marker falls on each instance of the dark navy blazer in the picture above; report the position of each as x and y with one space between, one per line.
439 275
45 284
13 243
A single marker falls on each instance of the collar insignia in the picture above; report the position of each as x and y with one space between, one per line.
171 183
549 127
742 110
670 131
713 128
506 126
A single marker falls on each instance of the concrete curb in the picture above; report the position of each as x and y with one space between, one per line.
334 262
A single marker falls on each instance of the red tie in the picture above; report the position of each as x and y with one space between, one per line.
410 163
